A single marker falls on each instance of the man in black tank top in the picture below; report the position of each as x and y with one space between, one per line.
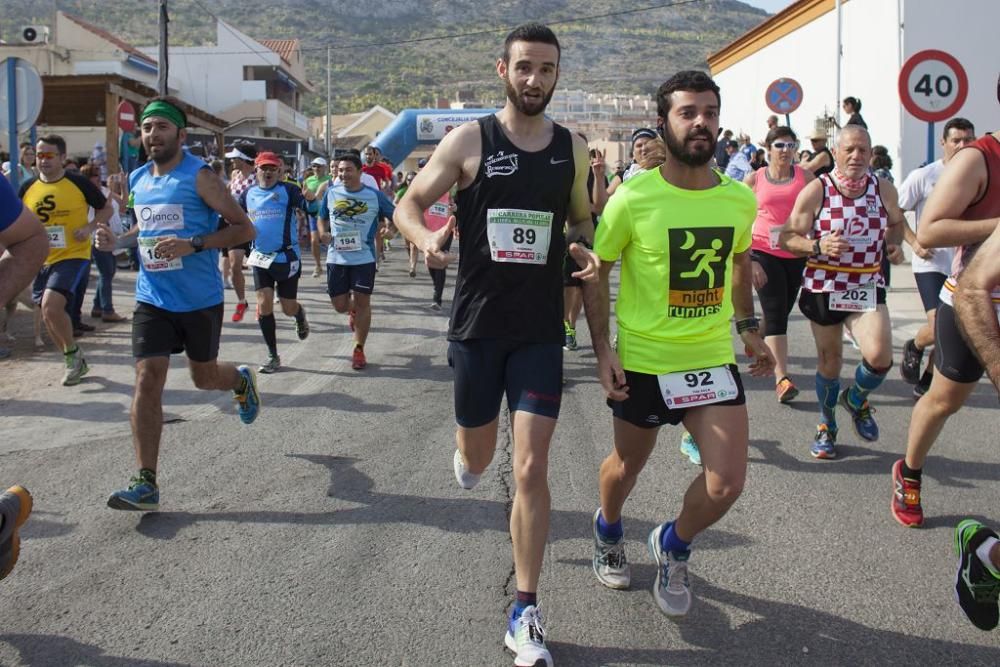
519 177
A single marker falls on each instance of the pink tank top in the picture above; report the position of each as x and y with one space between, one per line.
774 206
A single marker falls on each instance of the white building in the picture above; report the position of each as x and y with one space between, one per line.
257 86
877 37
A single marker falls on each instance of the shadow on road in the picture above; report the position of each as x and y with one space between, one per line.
47 650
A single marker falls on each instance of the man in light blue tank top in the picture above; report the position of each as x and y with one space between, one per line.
177 199
349 218
275 257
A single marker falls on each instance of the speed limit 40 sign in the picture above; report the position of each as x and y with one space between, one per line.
933 85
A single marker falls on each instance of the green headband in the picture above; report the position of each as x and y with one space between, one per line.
166 110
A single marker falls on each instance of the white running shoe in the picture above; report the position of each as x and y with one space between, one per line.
610 564
527 640
671 590
465 479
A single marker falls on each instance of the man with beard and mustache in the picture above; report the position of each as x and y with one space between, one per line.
519 176
842 223
177 199
683 233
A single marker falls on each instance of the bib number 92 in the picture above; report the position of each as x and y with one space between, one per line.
698 379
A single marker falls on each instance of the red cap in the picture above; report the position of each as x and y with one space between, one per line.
267 157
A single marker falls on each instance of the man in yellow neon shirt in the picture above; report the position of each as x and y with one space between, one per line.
682 232
61 200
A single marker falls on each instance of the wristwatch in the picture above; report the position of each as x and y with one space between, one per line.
748 324
197 242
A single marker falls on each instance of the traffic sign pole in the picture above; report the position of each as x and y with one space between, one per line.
15 157
930 142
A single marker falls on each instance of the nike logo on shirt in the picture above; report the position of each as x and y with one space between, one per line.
555 161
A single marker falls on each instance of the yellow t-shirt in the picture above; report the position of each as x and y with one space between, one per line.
62 207
676 246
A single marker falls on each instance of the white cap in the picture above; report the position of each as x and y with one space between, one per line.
319 161
237 153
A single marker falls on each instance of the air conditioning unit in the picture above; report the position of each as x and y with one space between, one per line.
35 34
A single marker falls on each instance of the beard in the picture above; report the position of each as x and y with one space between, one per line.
527 108
165 151
679 148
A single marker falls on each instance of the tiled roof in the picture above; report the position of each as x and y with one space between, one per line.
107 36
283 47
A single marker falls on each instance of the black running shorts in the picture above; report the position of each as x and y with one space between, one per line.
952 356
285 275
816 307
160 333
645 408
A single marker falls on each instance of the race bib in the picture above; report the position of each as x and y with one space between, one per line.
687 389
151 260
261 260
347 241
160 217
57 236
773 235
856 300
518 236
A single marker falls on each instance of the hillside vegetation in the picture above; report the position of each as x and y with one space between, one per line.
626 52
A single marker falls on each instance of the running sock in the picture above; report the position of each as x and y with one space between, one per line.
70 353
358 346
609 532
983 552
827 392
147 475
269 328
866 380
670 542
910 473
523 600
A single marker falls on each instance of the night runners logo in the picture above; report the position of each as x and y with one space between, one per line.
501 164
698 270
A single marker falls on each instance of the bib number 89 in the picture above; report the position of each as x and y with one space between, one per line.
699 379
524 236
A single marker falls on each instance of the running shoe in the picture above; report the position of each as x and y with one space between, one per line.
140 496
350 320
786 390
905 505
302 325
526 638
358 361
15 506
248 403
435 305
921 388
569 340
84 327
465 479
317 272
672 589
910 368
241 309
689 448
864 423
76 368
271 366
976 587
413 273
825 443
610 564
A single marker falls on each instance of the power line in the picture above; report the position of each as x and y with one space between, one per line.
235 33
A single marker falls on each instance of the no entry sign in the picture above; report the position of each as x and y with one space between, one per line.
933 85
126 116
783 96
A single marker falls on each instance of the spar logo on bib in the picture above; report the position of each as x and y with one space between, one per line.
698 270
160 217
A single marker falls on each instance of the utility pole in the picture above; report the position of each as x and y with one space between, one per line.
164 66
328 143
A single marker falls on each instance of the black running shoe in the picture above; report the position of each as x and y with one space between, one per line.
910 368
976 588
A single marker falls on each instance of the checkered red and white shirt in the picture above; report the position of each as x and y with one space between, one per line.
862 223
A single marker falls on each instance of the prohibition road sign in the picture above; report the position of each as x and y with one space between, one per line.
783 96
933 85
126 116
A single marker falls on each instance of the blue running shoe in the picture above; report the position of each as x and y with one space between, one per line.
864 423
689 448
825 443
140 496
248 402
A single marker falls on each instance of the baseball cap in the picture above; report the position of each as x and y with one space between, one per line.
267 157
243 152
643 132
319 161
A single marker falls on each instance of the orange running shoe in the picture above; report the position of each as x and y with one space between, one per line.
15 506
358 361
786 390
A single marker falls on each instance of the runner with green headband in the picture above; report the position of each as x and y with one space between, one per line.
177 199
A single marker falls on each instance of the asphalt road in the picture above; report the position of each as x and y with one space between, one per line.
331 531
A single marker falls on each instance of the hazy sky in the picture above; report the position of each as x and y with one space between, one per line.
771 6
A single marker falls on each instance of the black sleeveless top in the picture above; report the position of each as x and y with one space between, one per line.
505 299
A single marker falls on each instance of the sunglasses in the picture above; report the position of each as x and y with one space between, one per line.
268 169
46 155
782 145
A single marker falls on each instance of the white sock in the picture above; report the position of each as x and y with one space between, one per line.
983 552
